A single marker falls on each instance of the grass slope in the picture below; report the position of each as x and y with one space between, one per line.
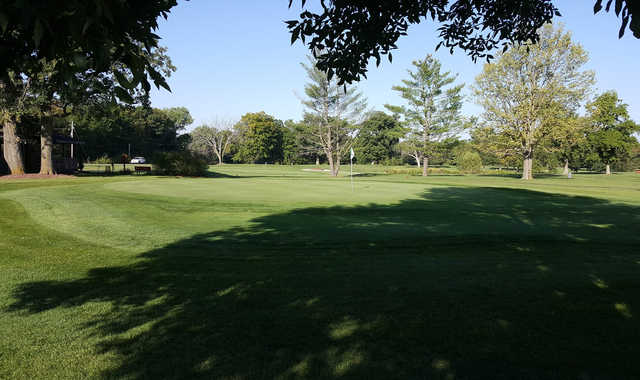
272 272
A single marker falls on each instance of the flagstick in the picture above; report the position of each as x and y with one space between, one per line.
351 166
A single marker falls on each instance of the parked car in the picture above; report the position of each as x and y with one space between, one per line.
138 160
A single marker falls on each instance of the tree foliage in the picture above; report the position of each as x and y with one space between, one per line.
529 88
346 34
331 109
432 110
261 137
113 129
377 138
469 162
83 36
611 136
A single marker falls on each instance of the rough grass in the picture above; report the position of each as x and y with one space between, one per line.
272 272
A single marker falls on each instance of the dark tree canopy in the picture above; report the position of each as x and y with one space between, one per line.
81 35
347 33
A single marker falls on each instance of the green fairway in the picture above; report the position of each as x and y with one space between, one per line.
262 272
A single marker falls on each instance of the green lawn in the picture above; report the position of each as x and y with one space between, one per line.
264 272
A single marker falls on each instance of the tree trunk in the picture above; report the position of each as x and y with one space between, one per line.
332 165
565 171
11 147
608 170
417 159
425 166
46 149
527 166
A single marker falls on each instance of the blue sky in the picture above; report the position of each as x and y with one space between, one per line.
235 57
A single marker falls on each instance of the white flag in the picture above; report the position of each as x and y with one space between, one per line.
352 154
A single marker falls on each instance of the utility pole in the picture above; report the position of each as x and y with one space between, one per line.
129 151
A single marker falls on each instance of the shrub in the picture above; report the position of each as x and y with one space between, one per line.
469 162
418 171
393 161
104 159
184 163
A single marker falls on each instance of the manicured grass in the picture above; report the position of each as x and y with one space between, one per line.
274 272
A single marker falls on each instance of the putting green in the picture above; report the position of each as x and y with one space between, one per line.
287 192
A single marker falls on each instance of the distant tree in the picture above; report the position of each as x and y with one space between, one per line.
346 34
432 111
611 137
294 148
213 139
452 148
484 140
469 162
180 116
567 136
261 138
108 129
331 110
529 88
40 90
377 137
184 141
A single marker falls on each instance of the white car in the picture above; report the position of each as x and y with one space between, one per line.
138 160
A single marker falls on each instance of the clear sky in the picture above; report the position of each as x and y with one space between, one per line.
235 57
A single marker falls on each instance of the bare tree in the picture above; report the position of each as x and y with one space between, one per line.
213 138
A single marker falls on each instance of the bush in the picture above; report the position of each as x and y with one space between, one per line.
469 162
183 163
393 161
418 171
104 159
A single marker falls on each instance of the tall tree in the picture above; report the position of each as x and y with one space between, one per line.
78 39
213 139
346 34
432 109
331 110
567 137
611 137
260 137
529 88
14 94
180 116
377 137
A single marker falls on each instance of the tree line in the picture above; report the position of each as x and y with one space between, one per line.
531 96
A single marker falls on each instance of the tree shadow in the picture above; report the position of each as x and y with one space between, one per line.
461 283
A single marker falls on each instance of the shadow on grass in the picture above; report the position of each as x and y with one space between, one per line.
461 283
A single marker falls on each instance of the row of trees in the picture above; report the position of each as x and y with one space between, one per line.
109 130
531 96
43 99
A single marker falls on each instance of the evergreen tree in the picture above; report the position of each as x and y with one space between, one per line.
432 110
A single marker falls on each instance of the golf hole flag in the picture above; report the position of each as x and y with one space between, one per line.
351 167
